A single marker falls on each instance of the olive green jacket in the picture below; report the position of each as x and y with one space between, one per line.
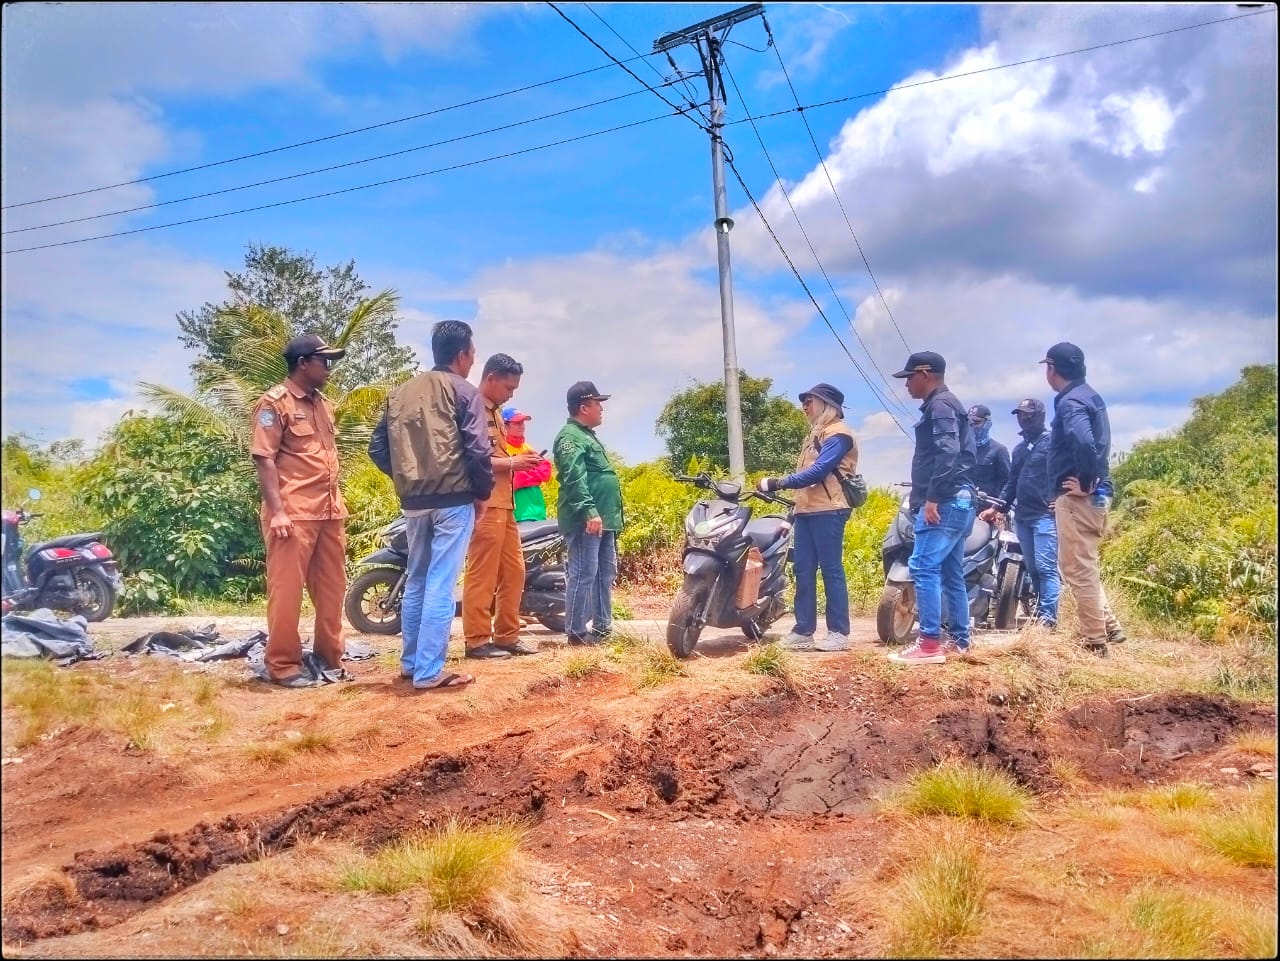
589 485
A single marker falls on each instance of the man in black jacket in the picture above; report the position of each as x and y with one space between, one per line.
991 458
942 502
1080 479
1028 489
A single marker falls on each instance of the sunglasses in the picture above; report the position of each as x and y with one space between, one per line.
327 361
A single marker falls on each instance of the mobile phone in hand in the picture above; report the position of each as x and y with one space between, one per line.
542 453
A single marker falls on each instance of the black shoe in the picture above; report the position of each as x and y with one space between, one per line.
1097 650
1117 636
488 651
584 640
519 647
604 635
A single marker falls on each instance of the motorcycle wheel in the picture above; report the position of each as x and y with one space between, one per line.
97 596
364 597
1007 596
552 622
685 623
896 613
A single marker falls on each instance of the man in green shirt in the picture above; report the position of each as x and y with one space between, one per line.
589 511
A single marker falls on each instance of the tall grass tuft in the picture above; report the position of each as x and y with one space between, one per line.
657 665
578 666
1246 833
938 900
772 660
964 791
1172 924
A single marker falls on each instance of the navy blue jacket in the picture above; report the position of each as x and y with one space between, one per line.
944 453
1028 485
1080 442
990 468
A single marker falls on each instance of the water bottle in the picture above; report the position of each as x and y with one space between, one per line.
1100 499
964 500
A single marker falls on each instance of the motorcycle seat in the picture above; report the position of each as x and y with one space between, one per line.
765 531
68 541
978 537
535 530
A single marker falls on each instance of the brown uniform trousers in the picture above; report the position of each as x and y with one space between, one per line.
1080 530
297 431
493 579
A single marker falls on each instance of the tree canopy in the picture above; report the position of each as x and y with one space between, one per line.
694 424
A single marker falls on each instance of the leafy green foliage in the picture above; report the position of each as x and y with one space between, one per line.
1194 535
54 471
175 506
694 424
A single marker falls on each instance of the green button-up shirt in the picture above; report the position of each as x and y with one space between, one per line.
589 485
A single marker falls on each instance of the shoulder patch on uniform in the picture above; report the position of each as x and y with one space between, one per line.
278 391
267 417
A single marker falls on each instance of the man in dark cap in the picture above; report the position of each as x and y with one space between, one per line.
589 512
942 503
1029 490
303 515
1080 479
991 458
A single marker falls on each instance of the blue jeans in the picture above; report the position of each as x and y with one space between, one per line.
937 569
591 569
437 548
1038 539
819 545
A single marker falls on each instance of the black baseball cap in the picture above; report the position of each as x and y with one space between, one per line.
1066 357
584 390
979 412
1028 405
308 344
825 392
925 361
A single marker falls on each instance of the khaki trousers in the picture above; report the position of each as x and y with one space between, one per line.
493 580
1080 529
314 555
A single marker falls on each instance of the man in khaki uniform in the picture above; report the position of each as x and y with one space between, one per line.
494 579
303 514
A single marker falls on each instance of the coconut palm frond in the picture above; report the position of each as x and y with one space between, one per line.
363 403
189 409
380 305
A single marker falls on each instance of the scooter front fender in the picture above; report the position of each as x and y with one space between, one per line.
385 557
699 565
899 572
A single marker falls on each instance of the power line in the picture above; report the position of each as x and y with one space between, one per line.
1003 66
307 143
690 98
821 313
320 170
804 233
345 190
839 202
683 111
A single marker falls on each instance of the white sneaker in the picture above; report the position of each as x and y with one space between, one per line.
798 642
832 642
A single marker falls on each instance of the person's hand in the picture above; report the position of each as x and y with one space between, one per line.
931 515
281 525
989 515
481 507
1072 486
526 461
595 525
767 484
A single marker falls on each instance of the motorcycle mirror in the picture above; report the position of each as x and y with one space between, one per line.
33 494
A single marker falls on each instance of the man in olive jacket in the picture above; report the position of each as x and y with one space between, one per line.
589 511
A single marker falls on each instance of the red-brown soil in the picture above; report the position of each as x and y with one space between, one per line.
717 815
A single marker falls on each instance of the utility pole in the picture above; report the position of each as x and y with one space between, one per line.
710 50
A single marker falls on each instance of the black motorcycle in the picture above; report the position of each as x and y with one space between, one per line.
896 614
375 594
734 565
75 573
1014 592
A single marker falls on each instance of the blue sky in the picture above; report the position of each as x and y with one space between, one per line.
1123 198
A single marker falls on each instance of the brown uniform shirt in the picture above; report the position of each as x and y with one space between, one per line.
502 497
297 431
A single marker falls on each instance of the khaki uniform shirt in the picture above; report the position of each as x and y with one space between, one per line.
502 497
297 431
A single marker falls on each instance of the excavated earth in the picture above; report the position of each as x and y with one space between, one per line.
715 824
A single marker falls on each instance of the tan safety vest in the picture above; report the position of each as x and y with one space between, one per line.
825 495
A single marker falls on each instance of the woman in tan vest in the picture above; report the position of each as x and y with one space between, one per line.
821 515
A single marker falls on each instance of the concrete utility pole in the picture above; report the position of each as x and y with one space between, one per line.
710 49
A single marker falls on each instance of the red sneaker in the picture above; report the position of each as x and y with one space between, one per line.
921 651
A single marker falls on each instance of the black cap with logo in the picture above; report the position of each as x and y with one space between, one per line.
582 391
923 361
307 345
1028 405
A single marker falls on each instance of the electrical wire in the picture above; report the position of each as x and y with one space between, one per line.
320 170
345 190
821 313
888 396
813 140
307 143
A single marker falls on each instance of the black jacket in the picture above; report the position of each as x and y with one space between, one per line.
1080 442
991 468
944 453
1028 486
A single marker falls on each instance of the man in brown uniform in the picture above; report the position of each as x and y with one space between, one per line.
494 578
303 514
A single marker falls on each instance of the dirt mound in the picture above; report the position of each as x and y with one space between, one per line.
802 757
